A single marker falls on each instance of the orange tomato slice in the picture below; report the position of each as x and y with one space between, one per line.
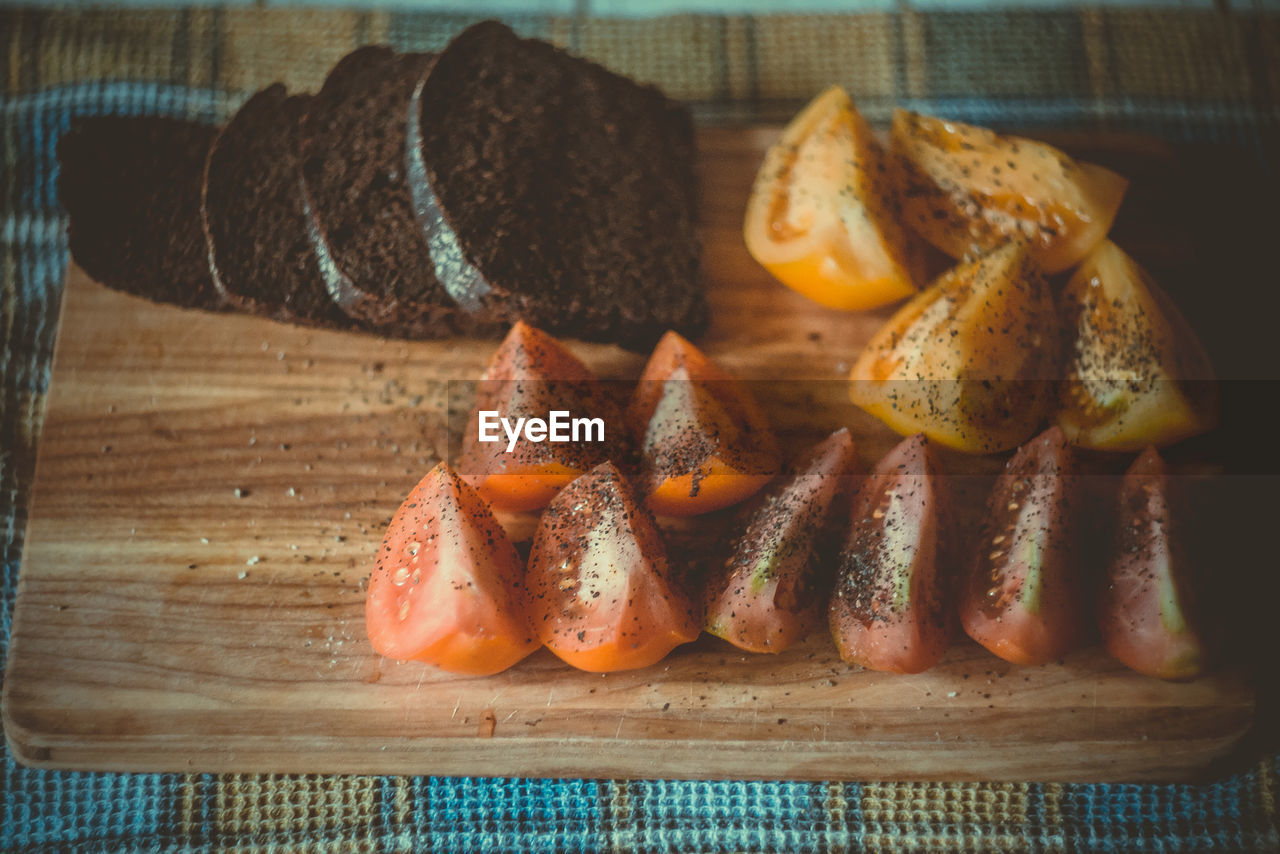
1136 373
964 188
891 609
446 587
530 375
705 442
767 594
972 362
599 579
1024 597
820 219
1147 606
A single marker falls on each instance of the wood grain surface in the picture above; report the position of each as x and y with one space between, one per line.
210 490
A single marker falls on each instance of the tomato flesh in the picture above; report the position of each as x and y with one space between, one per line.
1146 608
820 217
891 607
705 442
602 595
1136 373
766 597
966 188
971 362
447 587
531 375
1024 600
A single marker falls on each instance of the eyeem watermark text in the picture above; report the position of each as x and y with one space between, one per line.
558 426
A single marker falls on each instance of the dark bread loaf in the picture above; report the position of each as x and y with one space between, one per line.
255 217
374 256
555 191
414 196
132 189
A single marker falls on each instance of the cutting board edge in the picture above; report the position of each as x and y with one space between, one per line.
585 759
1108 762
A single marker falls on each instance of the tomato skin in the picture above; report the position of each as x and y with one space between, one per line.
971 362
965 188
602 596
1024 600
1146 607
447 587
1136 373
530 375
892 605
821 217
766 596
705 443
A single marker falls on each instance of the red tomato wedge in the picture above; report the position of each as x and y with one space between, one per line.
446 587
1146 609
599 578
1025 600
530 376
1136 373
821 217
705 442
965 188
891 608
972 362
767 595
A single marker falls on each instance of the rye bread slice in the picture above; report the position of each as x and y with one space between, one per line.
555 191
354 172
255 217
131 186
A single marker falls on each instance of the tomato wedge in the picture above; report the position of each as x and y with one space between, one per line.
971 362
705 442
530 376
446 587
767 595
1136 373
891 608
675 351
820 217
1146 609
964 188
599 577
1025 596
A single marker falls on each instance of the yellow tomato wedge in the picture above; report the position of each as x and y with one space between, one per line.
1136 373
971 361
820 219
964 188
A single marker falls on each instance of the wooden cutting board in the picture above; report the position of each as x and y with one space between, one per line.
210 490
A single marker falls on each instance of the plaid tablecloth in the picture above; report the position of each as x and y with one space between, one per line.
1187 75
